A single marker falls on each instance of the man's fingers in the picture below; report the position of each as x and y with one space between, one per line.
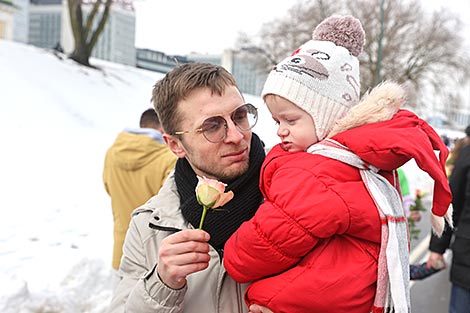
181 271
169 249
173 269
181 254
188 235
255 308
186 258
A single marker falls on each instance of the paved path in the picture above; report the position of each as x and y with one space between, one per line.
432 294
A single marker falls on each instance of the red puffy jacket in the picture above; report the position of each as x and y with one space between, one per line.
313 244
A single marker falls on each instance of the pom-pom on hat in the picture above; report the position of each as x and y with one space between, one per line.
322 76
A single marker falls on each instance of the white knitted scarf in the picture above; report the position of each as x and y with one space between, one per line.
393 288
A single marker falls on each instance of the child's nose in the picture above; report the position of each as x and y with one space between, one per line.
282 131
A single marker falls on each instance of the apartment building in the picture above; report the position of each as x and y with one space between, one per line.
7 11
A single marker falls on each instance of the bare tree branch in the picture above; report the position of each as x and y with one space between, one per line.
420 49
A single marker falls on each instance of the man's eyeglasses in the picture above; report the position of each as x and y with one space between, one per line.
214 128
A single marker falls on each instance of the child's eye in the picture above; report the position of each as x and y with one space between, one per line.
290 122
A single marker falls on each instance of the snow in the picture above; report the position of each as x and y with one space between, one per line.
57 120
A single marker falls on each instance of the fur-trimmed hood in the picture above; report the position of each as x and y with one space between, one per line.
379 105
384 135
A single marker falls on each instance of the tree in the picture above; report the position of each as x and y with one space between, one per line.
86 31
422 51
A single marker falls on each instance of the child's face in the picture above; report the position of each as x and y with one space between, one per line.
296 127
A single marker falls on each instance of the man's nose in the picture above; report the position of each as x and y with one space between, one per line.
233 133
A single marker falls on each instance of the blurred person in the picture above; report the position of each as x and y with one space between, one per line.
417 271
445 140
408 200
460 267
135 168
167 264
331 235
454 153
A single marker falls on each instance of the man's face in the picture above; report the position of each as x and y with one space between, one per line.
224 160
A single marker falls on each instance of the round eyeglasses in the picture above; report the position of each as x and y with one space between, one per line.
215 128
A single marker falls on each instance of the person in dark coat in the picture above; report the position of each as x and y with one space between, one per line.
460 267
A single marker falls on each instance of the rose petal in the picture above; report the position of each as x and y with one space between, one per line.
214 183
223 199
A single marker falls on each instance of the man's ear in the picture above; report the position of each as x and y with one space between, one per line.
175 145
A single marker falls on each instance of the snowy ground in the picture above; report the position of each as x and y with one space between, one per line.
57 120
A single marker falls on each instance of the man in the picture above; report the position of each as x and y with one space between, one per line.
135 168
459 181
168 265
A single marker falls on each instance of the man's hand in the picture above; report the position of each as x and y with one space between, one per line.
436 261
255 308
181 254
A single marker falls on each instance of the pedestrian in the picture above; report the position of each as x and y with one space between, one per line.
454 153
408 200
331 235
168 265
459 181
412 208
135 167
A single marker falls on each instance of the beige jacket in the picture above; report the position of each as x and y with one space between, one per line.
140 289
135 169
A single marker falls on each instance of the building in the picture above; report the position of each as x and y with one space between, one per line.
45 23
21 21
49 27
7 11
206 58
118 38
157 61
249 78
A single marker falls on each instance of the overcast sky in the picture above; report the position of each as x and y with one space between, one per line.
210 26
204 26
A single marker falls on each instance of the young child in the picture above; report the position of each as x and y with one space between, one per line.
331 234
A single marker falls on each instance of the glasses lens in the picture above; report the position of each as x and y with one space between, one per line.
213 128
245 117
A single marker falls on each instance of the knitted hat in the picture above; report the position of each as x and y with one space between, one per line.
322 76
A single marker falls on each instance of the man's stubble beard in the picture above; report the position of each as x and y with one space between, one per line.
209 170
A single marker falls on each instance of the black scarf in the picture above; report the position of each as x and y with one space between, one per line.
247 198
